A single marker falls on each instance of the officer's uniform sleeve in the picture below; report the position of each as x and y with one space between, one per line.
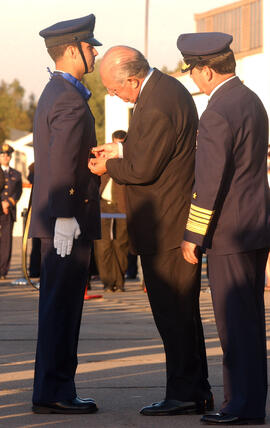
214 149
66 127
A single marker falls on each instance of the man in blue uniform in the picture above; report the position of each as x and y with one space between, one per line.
10 194
229 216
66 213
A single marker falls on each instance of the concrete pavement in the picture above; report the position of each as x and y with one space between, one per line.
121 359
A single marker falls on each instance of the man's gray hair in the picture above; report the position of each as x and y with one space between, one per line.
138 66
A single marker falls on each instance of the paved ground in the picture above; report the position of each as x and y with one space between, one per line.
121 360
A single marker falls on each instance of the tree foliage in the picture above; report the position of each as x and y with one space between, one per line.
14 112
93 82
176 69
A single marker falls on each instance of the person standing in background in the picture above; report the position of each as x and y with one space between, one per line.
10 194
112 249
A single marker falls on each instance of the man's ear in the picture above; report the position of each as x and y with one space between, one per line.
71 51
208 73
134 82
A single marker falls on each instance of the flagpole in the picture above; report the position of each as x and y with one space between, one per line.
146 29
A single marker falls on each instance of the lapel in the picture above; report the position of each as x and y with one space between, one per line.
7 173
236 82
144 96
146 93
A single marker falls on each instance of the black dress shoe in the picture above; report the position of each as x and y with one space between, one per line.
221 418
75 406
175 407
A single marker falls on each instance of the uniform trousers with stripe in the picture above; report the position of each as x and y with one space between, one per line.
173 288
62 286
237 287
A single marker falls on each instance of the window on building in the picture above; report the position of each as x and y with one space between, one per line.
242 19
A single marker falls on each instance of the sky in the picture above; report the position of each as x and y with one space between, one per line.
23 52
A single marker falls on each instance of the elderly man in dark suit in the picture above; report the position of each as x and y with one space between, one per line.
157 171
10 194
66 213
229 216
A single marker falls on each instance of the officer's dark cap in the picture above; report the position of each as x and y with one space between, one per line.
197 47
74 30
6 148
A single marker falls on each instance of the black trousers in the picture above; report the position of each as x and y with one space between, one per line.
35 258
173 287
62 286
111 252
6 228
237 286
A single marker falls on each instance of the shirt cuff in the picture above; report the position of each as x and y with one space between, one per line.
120 150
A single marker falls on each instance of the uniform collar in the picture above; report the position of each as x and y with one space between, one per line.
85 93
219 86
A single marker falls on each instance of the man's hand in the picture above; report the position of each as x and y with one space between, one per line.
106 151
189 251
5 207
66 229
97 166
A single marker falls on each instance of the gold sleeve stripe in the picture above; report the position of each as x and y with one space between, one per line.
197 227
196 213
199 219
201 210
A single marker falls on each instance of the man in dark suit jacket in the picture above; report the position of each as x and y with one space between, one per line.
157 170
10 194
229 216
65 214
111 251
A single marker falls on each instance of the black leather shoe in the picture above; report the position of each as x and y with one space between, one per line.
221 418
175 407
75 406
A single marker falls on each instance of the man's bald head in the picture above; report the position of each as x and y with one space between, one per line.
122 62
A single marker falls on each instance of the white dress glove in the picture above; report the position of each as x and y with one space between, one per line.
66 229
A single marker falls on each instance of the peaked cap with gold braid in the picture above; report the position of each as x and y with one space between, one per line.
198 47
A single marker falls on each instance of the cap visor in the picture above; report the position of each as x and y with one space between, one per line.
92 41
